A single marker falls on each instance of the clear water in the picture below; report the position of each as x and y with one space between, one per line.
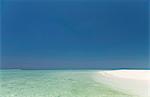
53 83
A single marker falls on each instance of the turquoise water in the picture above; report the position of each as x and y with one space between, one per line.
53 83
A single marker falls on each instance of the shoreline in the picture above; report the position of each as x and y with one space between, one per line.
135 82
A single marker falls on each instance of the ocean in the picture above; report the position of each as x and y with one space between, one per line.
54 83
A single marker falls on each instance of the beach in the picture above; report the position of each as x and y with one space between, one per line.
136 82
66 83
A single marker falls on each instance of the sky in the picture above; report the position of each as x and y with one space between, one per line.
69 34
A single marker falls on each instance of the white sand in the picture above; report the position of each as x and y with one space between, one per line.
136 82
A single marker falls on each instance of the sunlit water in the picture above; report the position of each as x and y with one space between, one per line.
53 83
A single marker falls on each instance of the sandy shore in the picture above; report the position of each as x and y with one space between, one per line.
136 82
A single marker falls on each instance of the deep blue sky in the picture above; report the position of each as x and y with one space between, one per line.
75 34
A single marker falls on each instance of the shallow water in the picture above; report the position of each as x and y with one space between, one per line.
53 83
